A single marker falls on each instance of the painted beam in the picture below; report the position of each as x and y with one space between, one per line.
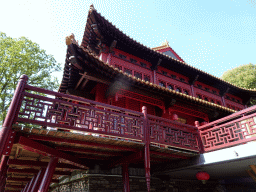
25 179
61 140
39 164
15 186
168 155
128 159
33 146
34 171
88 151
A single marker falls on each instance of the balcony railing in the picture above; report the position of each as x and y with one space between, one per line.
50 109
232 130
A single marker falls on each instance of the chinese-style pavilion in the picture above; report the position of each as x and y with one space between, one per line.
120 103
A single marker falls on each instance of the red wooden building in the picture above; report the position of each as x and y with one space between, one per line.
122 104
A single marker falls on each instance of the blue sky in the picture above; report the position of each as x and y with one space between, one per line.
213 36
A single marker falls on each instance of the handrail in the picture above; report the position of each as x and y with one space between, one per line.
58 110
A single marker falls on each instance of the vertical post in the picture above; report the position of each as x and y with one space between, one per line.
26 187
126 181
3 172
48 175
146 148
31 183
200 142
12 113
38 180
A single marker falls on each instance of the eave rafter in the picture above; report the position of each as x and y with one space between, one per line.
33 146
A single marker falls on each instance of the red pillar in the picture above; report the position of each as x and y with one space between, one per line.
3 172
146 148
38 180
31 183
126 177
48 175
12 113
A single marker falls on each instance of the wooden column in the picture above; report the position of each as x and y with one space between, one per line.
38 180
12 113
3 171
48 175
126 181
31 183
146 148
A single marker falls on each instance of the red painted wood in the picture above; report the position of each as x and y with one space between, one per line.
33 146
48 175
60 140
126 182
31 183
122 124
38 180
135 157
12 114
3 171
40 164
232 130
146 148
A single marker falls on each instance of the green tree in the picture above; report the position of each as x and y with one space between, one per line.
243 76
22 56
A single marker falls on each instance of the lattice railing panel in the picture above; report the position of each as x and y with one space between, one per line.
226 134
84 117
173 133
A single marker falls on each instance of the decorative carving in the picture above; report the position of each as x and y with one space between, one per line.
71 39
228 134
173 133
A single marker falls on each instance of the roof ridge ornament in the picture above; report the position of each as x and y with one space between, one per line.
166 43
91 8
71 39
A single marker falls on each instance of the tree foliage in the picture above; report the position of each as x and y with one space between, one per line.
22 56
243 76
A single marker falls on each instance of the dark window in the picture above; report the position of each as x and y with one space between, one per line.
122 56
233 99
218 102
178 89
164 72
212 100
138 75
133 60
162 84
199 86
207 89
199 96
173 76
143 64
186 92
206 99
146 78
182 80
213 91
227 97
170 87
128 71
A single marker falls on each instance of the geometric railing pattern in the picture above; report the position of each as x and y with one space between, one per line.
167 132
235 129
57 110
